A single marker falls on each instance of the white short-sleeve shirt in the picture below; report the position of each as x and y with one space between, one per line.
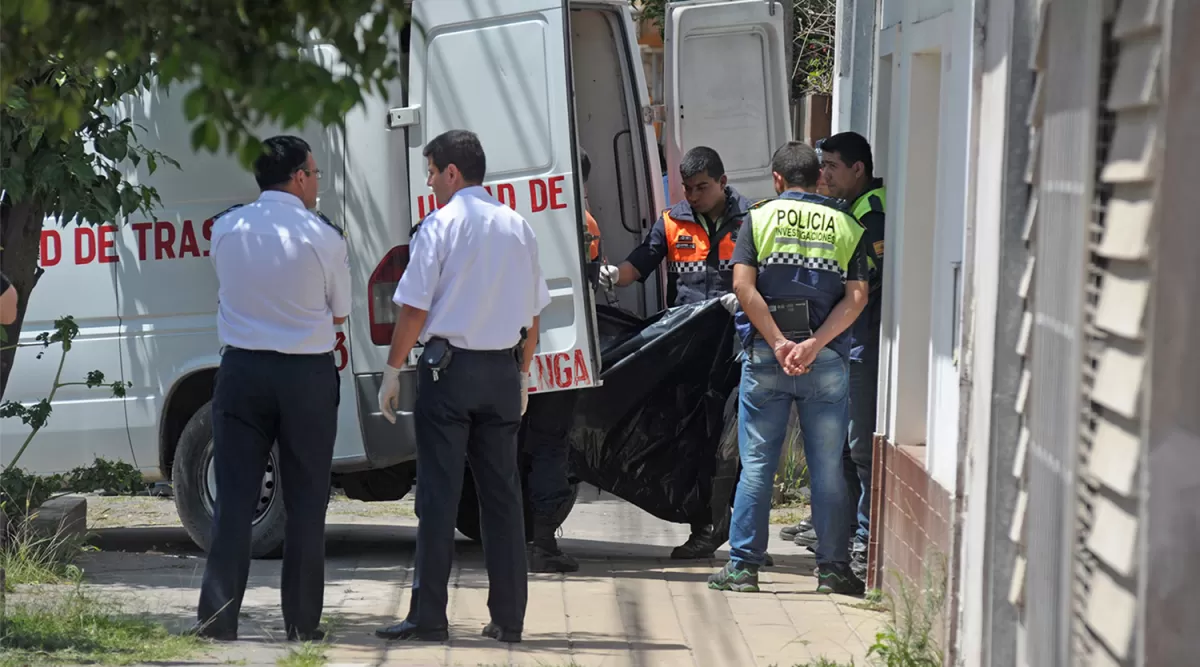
284 274
473 264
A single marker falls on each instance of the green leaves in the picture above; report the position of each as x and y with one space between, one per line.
250 67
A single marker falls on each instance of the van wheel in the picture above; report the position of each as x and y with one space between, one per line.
468 521
194 478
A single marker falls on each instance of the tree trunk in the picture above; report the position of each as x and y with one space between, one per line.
20 246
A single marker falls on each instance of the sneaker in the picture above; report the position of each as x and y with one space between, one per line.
789 533
839 579
735 577
551 561
699 546
807 538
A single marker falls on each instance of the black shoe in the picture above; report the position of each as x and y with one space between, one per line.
543 559
405 631
212 632
699 546
839 579
807 538
789 533
769 562
316 635
859 568
498 633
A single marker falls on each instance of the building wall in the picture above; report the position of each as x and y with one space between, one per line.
921 100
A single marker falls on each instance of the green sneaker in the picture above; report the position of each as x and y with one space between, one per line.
735 577
839 579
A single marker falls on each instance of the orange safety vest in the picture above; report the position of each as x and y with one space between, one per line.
688 247
594 230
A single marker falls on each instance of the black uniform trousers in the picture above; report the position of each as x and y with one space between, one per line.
260 398
471 412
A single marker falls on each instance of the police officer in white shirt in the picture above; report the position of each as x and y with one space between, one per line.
471 294
284 284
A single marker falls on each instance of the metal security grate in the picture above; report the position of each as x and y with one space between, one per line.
1058 363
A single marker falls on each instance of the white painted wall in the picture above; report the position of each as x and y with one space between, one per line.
921 134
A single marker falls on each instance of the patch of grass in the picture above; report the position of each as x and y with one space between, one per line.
75 627
907 638
28 557
788 516
825 662
308 654
793 474
872 601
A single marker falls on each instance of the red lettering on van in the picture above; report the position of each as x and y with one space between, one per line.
106 244
206 229
562 370
187 241
581 371
164 240
141 228
51 248
556 189
339 349
507 195
559 370
538 198
85 245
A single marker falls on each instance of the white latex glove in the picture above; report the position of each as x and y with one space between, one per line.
524 392
730 302
389 393
609 275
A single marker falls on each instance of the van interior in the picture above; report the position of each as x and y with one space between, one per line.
619 188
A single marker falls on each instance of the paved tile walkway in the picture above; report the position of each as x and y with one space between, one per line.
628 605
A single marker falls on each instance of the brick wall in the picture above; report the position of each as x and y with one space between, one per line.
911 521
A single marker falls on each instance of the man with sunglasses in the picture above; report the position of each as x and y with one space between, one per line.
284 277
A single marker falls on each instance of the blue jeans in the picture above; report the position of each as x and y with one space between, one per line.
821 397
856 458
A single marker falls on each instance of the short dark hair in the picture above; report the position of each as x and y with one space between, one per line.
460 148
798 164
585 164
851 147
282 156
701 159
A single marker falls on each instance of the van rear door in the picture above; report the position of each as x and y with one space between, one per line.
727 87
501 69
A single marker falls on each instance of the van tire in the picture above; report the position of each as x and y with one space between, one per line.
193 497
468 521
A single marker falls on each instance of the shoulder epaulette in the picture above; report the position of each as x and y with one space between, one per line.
760 203
329 222
235 206
417 227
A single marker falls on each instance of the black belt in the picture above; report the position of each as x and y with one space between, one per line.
277 353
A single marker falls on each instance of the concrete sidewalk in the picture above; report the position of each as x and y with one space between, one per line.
629 604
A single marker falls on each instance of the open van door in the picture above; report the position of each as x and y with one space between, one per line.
502 70
727 88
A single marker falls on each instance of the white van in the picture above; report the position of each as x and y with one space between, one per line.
535 79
